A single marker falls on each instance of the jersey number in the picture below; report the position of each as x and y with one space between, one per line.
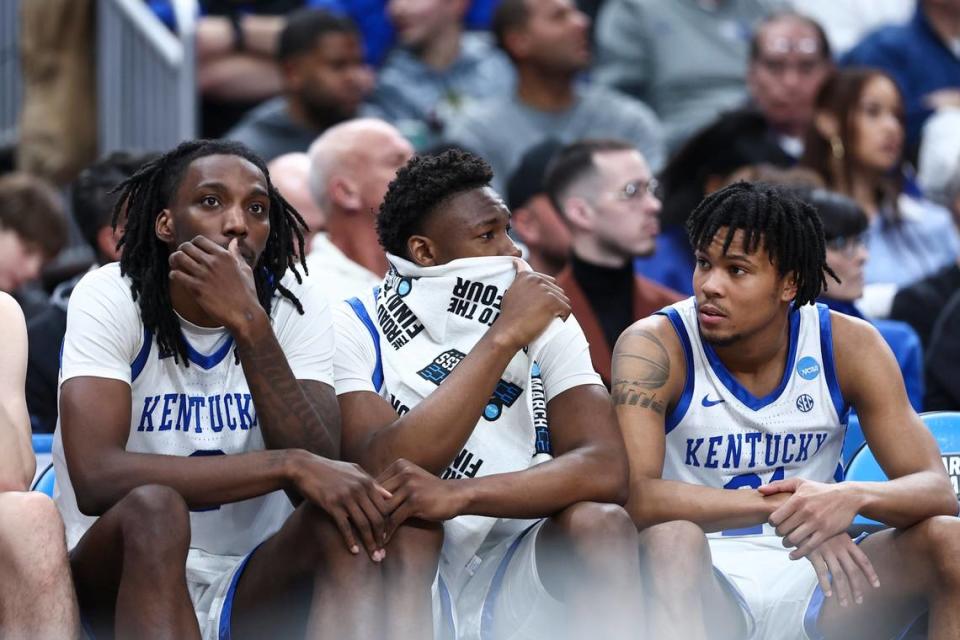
749 481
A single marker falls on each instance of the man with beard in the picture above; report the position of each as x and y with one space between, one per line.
325 80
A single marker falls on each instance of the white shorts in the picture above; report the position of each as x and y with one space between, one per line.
212 582
503 599
774 592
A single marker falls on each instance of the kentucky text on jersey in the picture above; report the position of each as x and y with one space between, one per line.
180 412
753 449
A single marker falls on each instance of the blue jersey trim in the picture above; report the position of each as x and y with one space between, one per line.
490 602
738 390
361 312
141 360
226 610
675 416
212 360
829 364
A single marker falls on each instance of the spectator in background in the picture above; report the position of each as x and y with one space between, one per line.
847 22
922 57
844 224
290 174
37 599
921 303
547 42
701 166
607 195
93 206
33 230
351 166
789 60
324 78
436 70
535 220
685 58
856 146
943 360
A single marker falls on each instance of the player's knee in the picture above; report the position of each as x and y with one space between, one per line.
414 552
588 525
31 533
942 541
155 521
678 547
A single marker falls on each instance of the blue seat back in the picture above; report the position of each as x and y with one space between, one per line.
945 427
43 481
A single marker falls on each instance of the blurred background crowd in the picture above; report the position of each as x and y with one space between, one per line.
855 104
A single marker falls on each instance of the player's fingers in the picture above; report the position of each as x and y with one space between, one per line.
360 522
813 541
865 565
206 244
343 524
396 519
840 583
194 252
377 523
180 261
858 582
795 531
823 572
778 486
234 248
783 512
184 278
395 467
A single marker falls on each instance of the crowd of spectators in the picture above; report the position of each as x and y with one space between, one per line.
603 136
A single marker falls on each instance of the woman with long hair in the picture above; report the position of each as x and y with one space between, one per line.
856 145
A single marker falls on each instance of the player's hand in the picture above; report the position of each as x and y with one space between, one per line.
529 305
419 494
220 278
815 512
851 569
350 496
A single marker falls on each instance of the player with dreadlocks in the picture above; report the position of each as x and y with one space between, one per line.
178 453
733 405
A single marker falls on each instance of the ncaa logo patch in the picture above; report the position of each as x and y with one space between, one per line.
805 403
808 368
404 286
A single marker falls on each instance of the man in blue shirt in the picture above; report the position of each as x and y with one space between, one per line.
923 56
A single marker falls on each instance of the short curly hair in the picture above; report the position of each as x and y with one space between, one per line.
420 187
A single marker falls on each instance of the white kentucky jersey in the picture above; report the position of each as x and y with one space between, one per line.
720 435
204 409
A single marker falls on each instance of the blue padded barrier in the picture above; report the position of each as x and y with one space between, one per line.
945 427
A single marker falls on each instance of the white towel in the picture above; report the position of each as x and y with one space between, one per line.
429 319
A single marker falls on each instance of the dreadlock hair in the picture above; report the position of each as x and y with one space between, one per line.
420 187
144 260
788 229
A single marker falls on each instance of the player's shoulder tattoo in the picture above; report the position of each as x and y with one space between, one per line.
641 366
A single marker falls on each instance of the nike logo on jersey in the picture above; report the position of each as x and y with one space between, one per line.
707 402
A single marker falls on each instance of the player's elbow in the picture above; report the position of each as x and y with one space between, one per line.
92 498
612 476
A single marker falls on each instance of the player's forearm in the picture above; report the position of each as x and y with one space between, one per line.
907 500
592 474
433 433
203 482
654 501
215 36
288 418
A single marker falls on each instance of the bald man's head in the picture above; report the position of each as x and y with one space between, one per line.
352 164
290 174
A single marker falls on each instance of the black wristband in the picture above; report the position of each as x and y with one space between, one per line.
239 41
